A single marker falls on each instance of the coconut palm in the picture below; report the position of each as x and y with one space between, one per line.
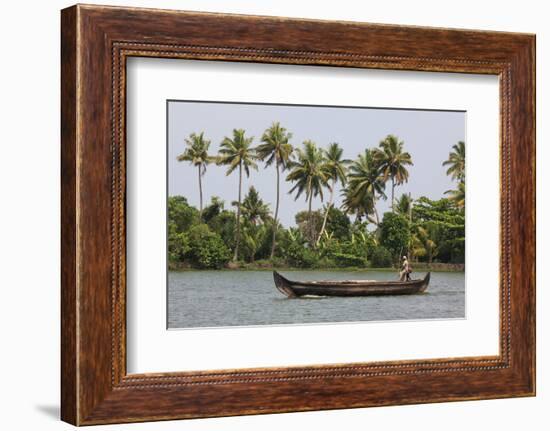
253 208
197 154
423 243
404 204
392 161
364 186
458 196
336 170
457 162
236 153
310 174
277 149
253 238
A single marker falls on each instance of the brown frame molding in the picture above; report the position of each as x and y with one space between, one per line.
95 43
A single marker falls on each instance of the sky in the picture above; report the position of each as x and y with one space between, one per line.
427 135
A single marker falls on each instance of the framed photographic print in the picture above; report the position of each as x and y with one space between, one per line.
265 215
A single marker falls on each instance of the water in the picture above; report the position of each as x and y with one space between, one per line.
244 298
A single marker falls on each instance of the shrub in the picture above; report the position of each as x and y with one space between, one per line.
277 262
381 257
343 260
263 263
298 256
325 262
178 246
338 224
207 249
345 253
181 214
224 225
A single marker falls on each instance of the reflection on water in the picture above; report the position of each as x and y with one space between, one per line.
244 298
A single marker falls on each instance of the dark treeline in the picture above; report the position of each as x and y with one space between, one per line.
247 231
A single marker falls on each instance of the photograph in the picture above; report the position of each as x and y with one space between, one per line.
300 214
263 211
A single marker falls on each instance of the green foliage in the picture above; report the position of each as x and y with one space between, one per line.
299 256
344 260
224 225
253 208
237 152
178 244
181 213
424 229
196 151
395 234
380 257
351 252
365 185
254 236
213 210
392 159
338 224
442 223
403 205
311 174
275 146
207 250
457 162
458 196
324 262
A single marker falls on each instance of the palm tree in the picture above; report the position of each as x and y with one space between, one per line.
197 153
310 174
237 153
275 148
457 162
253 237
458 196
364 186
423 243
253 207
336 170
457 171
404 205
392 161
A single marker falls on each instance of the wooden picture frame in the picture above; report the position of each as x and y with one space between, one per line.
95 43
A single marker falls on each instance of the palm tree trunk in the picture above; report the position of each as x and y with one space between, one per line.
238 235
326 212
200 193
376 219
275 222
392 195
310 219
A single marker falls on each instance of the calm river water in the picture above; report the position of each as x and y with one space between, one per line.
243 298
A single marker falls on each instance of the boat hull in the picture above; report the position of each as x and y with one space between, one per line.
296 289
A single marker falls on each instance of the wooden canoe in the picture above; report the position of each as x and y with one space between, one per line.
295 289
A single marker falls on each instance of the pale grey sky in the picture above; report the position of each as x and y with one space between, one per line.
428 137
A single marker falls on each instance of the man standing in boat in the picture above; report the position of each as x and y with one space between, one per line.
405 274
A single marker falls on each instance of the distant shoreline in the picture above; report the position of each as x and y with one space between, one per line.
418 267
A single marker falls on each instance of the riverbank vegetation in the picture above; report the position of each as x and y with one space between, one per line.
247 233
